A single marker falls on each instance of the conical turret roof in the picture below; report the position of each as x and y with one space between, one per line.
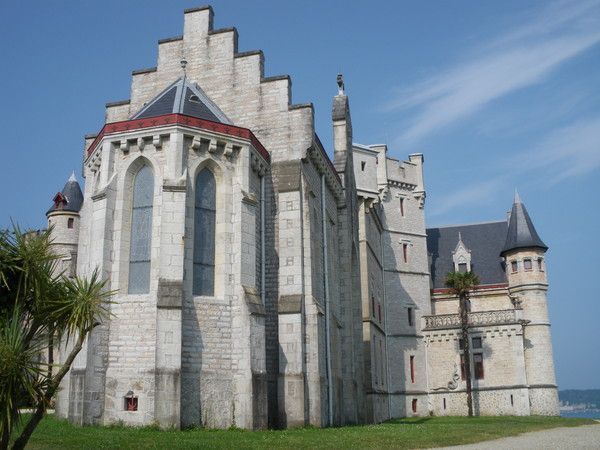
521 232
69 199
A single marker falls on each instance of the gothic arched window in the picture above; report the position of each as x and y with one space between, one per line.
204 234
141 231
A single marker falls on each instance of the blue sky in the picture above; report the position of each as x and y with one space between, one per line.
497 95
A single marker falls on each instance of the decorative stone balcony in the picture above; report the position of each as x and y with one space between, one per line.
476 319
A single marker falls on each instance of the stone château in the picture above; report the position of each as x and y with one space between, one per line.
262 284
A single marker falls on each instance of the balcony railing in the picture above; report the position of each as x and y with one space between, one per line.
476 319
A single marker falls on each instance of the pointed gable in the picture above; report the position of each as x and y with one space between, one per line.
183 97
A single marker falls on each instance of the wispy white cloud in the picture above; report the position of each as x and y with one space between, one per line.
565 153
521 57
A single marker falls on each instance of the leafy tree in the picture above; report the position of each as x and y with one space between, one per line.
460 285
39 308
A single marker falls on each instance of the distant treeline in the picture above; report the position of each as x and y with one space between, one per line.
578 396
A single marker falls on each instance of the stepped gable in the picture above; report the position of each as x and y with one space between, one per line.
521 232
485 240
231 79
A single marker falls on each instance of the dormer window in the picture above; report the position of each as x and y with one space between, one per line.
461 256
194 98
514 266
527 264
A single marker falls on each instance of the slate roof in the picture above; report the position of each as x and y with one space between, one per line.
521 232
73 197
484 240
183 97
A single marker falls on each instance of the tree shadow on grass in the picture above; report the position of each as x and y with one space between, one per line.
408 421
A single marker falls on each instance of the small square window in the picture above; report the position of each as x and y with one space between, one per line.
514 266
476 342
527 265
131 403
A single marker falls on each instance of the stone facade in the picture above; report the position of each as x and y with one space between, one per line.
319 310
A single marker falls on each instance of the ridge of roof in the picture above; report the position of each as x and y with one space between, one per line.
467 224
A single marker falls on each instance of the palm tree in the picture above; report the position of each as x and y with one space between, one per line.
38 308
460 284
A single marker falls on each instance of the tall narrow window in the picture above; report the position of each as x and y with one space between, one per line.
204 234
478 365
412 369
70 222
514 265
141 232
402 206
410 317
463 368
414 405
405 252
540 264
527 265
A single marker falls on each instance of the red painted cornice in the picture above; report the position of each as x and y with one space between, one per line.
179 119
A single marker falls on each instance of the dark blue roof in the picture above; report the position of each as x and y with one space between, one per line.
183 97
73 197
521 232
484 240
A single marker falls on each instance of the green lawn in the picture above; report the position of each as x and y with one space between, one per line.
53 433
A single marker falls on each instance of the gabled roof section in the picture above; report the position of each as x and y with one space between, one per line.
521 232
69 199
484 240
183 97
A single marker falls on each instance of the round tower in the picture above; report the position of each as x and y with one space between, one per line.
523 254
63 217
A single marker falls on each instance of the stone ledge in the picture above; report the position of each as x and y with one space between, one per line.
170 294
254 301
290 304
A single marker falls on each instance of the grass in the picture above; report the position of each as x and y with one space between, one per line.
53 433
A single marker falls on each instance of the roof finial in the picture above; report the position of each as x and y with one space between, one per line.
72 177
459 237
340 83
517 198
183 64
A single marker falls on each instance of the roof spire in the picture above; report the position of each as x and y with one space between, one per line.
521 232
517 198
72 177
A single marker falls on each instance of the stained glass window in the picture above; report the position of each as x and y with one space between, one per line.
141 232
204 234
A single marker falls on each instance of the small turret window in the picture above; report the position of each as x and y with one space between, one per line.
514 266
540 263
70 222
527 265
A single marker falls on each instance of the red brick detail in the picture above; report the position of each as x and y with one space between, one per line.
179 119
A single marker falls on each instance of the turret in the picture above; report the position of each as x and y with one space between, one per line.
523 254
63 217
342 129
